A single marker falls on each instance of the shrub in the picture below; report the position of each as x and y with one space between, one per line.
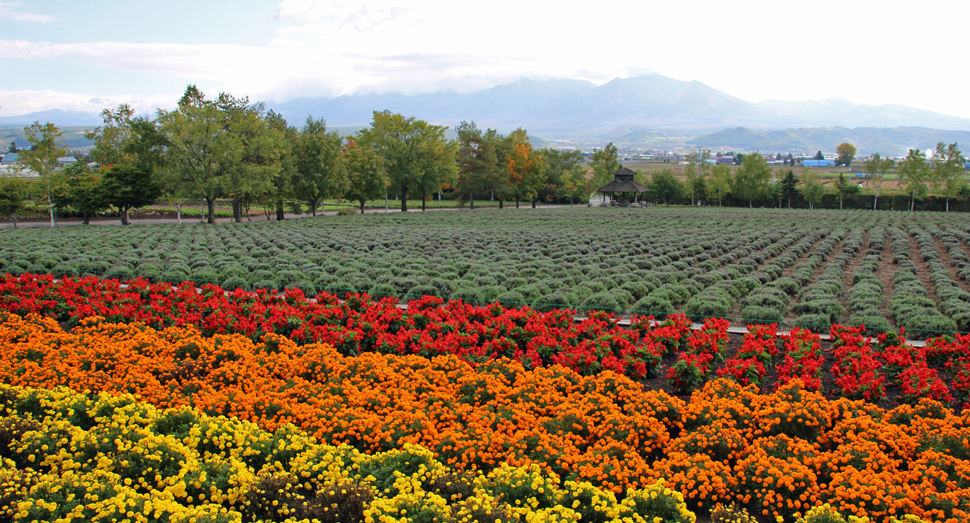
654 305
759 315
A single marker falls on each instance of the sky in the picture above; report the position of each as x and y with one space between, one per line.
87 56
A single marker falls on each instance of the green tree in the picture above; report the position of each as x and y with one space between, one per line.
875 168
246 170
12 148
127 186
819 156
13 194
665 186
366 179
812 189
751 179
841 187
948 163
286 177
479 169
83 191
111 138
409 148
696 174
604 162
914 173
195 132
45 148
565 177
789 186
319 172
222 148
846 153
720 182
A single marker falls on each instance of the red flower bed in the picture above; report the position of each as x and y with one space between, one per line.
359 324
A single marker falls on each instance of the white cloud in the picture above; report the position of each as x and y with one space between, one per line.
750 49
12 11
23 102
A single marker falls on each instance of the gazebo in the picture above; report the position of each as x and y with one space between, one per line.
623 183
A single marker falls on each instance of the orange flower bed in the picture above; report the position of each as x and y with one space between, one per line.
778 454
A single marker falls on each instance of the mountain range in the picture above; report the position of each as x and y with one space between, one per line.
894 141
564 108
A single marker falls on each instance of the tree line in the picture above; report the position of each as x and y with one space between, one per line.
941 173
229 149
232 150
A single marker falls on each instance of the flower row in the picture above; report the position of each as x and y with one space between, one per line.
777 454
97 457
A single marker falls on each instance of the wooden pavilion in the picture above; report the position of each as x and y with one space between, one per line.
623 184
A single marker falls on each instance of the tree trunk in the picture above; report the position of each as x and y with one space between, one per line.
237 210
840 202
516 202
471 199
178 212
533 203
50 205
404 197
875 202
947 205
87 220
424 200
279 210
313 208
212 210
362 206
501 203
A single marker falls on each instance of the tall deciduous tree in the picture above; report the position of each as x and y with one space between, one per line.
751 179
841 187
83 191
13 194
604 162
221 148
914 173
812 189
45 148
948 163
665 186
876 167
526 167
409 148
720 182
195 132
846 153
251 152
127 186
319 172
479 169
565 177
111 138
365 173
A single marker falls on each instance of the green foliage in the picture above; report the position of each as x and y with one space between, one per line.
664 186
750 182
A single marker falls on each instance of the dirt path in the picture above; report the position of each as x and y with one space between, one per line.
847 281
922 268
815 275
885 276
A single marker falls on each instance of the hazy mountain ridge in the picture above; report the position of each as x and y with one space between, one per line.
886 141
574 108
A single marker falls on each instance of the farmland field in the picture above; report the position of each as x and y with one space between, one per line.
797 268
170 398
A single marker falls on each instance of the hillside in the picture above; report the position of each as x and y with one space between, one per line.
887 141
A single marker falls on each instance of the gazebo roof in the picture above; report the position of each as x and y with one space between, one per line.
623 186
623 182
